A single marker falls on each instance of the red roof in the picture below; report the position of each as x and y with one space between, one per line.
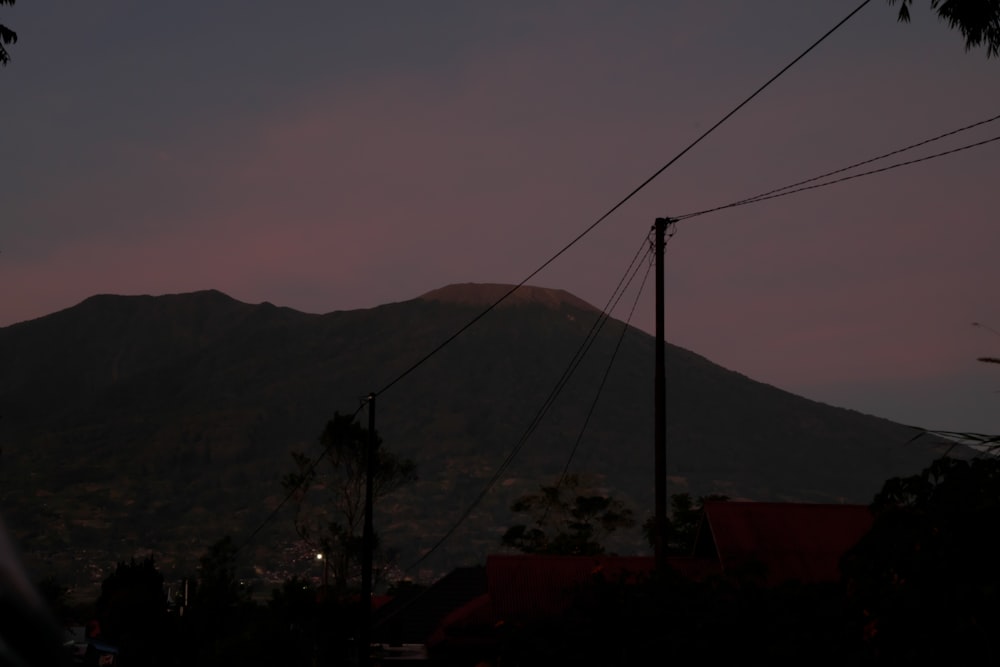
524 586
469 625
793 541
694 568
414 614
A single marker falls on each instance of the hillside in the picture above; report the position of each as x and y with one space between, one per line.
163 423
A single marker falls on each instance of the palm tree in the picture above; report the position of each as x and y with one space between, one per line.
977 20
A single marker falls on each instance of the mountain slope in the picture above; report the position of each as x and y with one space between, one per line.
163 423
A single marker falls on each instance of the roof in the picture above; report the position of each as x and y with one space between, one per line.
694 568
533 586
468 626
411 617
793 541
529 588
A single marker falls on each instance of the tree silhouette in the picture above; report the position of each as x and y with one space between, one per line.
7 36
330 499
977 20
132 609
218 586
924 579
566 521
682 524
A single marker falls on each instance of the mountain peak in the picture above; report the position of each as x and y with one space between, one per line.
202 296
486 294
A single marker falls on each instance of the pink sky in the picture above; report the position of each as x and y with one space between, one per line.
328 159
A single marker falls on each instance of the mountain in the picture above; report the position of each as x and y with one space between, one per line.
133 424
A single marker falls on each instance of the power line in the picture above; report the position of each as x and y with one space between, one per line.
604 378
981 442
987 327
855 165
607 373
781 192
542 411
621 203
291 492
573 242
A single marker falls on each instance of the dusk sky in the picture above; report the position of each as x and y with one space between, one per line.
330 156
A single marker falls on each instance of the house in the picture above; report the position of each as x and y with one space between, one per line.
466 616
780 542
413 615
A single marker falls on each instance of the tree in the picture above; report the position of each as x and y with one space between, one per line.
218 587
682 524
132 609
977 20
329 493
924 579
566 521
7 36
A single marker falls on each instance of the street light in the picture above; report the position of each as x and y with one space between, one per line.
326 572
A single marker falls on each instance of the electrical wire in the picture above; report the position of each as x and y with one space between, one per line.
576 239
987 328
604 378
859 164
539 415
621 203
981 443
781 192
607 373
291 492
620 293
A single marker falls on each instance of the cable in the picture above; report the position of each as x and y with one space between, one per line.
604 379
284 501
577 238
778 193
982 443
607 373
864 162
533 425
987 327
621 203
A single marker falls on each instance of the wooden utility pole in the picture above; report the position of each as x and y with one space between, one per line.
368 541
660 409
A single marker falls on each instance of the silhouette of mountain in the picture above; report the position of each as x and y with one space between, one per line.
163 423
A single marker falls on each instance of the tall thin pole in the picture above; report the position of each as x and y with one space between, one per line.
368 541
660 409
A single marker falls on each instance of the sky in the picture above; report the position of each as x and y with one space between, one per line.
332 156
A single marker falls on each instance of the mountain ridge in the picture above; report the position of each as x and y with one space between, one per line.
161 423
488 294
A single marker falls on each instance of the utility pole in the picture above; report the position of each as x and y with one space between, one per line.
368 541
660 409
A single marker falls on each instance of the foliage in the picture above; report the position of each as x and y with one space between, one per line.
132 609
54 594
330 499
924 579
566 521
682 522
7 36
633 620
218 587
405 587
294 628
977 20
